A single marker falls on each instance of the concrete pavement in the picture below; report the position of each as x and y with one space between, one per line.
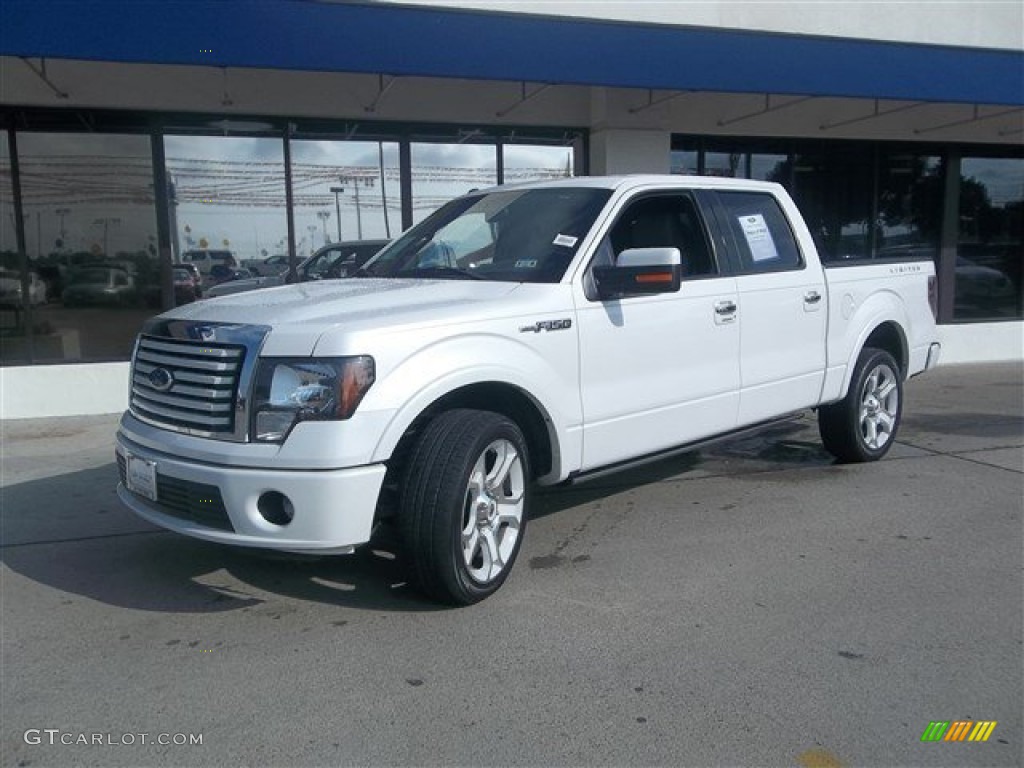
754 604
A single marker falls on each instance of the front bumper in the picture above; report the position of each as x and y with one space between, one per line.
333 509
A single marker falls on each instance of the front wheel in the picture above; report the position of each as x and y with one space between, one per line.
464 505
862 426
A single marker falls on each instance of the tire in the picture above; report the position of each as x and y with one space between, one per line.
464 505
863 426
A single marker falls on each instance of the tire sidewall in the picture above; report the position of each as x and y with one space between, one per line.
459 577
869 361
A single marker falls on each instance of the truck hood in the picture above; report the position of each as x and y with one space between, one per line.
300 314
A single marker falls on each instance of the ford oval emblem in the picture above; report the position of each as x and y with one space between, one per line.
161 379
204 333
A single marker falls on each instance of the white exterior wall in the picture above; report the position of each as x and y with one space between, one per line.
614 152
969 23
63 390
981 343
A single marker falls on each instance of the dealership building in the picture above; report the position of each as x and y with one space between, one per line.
135 132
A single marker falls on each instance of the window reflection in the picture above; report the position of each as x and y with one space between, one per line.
441 172
909 206
731 165
344 191
769 167
684 162
536 163
88 213
12 303
990 244
228 194
834 191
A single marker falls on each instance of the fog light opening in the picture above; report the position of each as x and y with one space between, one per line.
276 508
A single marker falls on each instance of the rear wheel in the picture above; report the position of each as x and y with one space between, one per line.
863 426
464 505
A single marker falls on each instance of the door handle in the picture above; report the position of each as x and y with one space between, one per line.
725 307
812 297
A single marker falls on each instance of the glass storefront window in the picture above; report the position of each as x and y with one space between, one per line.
732 165
12 299
442 171
769 168
990 243
344 191
834 190
90 232
909 206
536 163
684 162
227 194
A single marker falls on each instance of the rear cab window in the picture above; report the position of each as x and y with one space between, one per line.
762 238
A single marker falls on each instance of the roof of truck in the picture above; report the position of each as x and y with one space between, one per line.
622 182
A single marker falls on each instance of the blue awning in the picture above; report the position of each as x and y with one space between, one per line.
396 40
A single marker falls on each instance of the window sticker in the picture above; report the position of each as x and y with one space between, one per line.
759 238
526 264
567 240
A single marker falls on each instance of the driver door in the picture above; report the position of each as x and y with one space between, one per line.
663 370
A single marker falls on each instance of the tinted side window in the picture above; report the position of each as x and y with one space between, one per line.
665 221
764 240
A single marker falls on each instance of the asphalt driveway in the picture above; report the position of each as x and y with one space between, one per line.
755 604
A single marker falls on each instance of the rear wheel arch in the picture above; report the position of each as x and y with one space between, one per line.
890 337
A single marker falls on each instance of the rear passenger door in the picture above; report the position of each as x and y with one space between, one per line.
661 370
781 309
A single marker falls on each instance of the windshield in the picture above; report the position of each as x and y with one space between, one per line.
523 236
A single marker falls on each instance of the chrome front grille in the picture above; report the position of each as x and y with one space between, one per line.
194 378
187 385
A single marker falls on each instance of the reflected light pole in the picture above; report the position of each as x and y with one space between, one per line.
106 223
337 207
61 213
324 216
355 181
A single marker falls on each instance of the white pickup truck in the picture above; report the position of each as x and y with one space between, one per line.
537 333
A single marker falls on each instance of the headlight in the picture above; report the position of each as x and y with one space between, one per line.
290 390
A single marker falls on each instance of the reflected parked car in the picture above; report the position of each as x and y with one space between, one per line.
272 265
108 286
186 287
197 276
221 273
983 290
10 289
331 261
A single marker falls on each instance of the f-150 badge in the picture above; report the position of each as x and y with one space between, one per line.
547 325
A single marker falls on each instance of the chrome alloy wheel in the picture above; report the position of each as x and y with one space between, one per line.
493 511
879 407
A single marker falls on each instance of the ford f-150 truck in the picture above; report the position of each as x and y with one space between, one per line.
523 335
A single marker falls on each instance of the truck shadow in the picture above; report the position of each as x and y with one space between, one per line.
784 446
71 533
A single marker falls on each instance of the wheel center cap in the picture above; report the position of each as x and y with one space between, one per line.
486 511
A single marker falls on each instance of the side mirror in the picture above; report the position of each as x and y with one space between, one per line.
640 271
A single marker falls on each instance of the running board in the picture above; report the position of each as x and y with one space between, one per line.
592 474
